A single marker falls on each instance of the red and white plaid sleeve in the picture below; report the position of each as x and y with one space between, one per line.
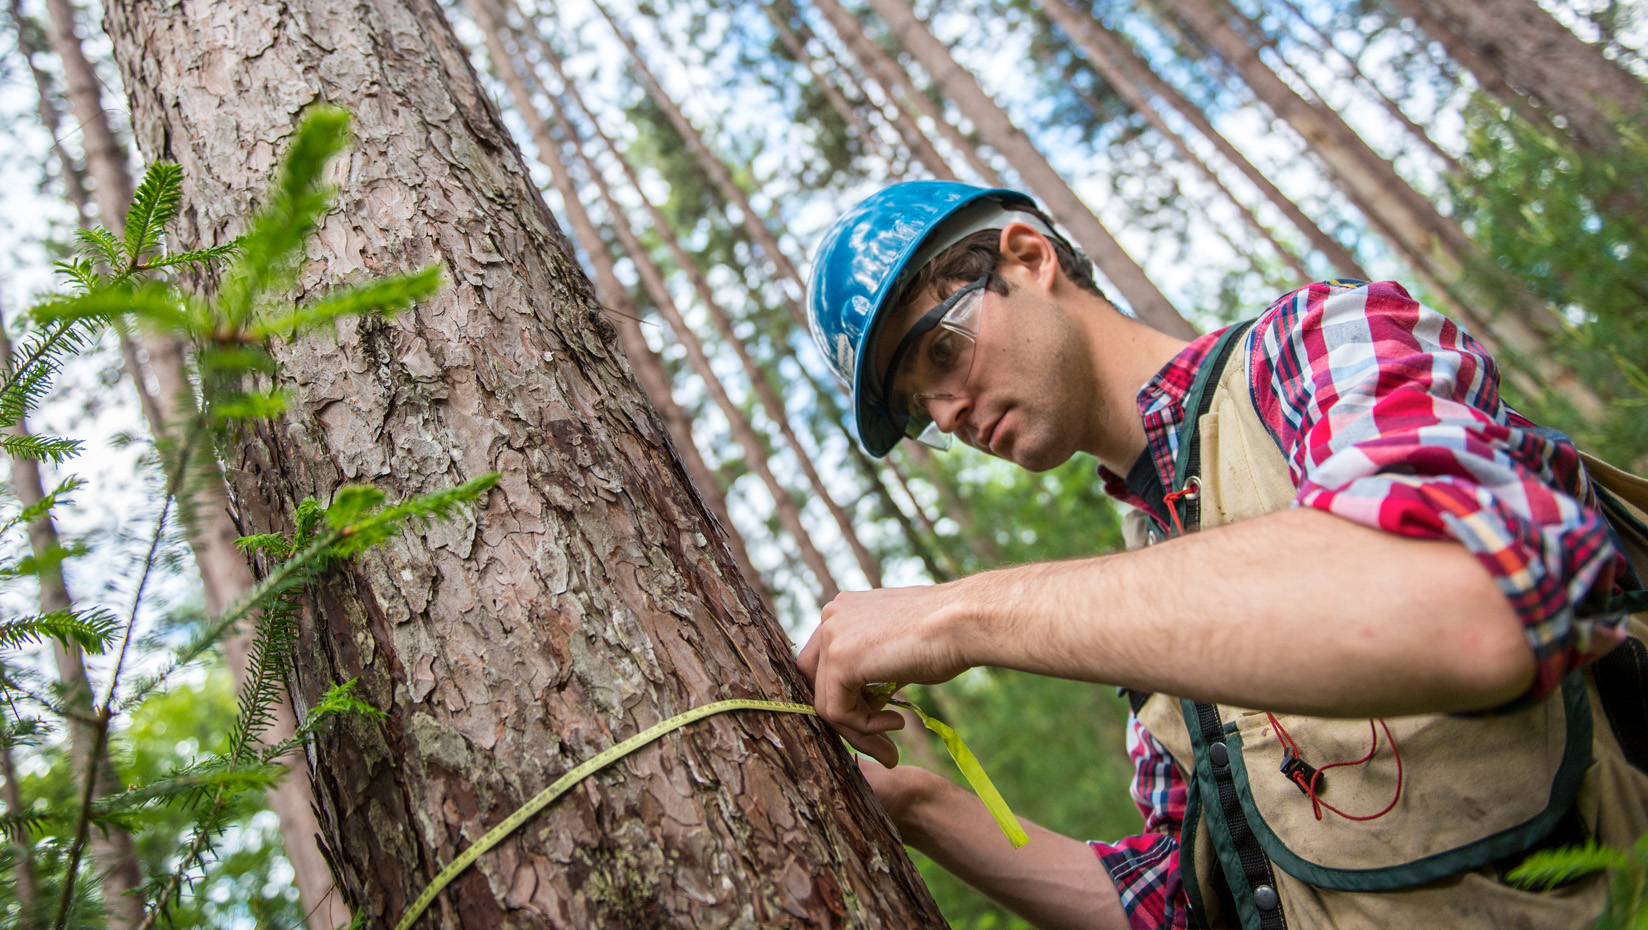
1145 868
1389 415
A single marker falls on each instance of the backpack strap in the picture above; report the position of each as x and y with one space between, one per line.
1187 464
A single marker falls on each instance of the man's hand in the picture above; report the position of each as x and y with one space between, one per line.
903 635
1055 882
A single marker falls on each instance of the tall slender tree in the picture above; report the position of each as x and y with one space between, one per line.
649 368
885 73
1324 50
999 131
910 98
1122 67
1130 93
822 79
1515 48
111 850
743 430
204 503
26 882
789 277
1433 245
782 347
582 601
722 321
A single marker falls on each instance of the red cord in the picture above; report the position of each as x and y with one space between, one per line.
1191 491
1316 802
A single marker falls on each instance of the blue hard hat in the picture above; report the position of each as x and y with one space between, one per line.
864 261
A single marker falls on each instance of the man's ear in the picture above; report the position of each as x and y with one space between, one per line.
1024 246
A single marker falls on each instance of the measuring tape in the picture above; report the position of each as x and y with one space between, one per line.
965 760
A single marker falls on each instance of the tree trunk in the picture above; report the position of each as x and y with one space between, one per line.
816 73
26 883
1426 239
1120 66
204 509
782 348
718 173
743 431
884 72
1513 47
581 601
1073 24
649 368
907 95
999 132
1434 246
763 389
111 849
74 176
1320 45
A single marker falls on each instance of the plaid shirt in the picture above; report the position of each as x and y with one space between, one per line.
1389 415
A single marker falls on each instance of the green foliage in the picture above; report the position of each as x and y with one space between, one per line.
181 805
1573 231
1627 907
90 630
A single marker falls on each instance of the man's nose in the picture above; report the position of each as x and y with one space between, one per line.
950 411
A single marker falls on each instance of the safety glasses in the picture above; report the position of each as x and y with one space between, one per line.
933 362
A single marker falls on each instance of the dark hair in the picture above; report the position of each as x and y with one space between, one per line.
978 255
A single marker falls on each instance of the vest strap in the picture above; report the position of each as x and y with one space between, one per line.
1188 464
1243 862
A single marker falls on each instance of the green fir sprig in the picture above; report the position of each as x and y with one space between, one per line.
1627 907
129 279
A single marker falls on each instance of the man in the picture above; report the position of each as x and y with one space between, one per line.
1431 553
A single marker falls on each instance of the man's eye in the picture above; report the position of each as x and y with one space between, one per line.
942 351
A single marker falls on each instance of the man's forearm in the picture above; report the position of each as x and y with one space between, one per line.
1054 882
1298 611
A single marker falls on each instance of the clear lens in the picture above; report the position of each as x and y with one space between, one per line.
937 367
933 437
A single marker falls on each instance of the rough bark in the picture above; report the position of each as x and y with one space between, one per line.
884 72
649 368
998 131
723 323
1513 47
1120 66
203 508
581 600
111 850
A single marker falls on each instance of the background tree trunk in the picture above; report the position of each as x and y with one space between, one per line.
1514 47
1113 58
581 601
649 368
894 83
111 850
203 508
996 128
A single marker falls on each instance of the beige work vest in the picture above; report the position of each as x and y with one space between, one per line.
1476 790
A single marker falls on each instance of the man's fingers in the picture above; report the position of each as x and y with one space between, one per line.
808 658
882 721
878 747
